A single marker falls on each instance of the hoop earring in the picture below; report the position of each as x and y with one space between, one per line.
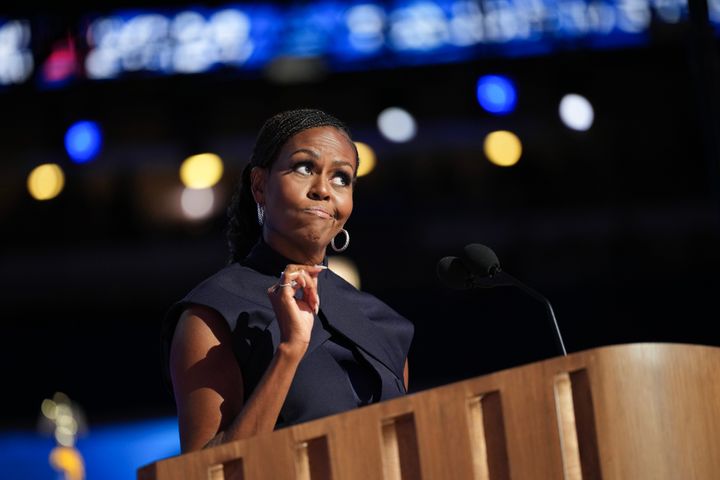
260 214
345 245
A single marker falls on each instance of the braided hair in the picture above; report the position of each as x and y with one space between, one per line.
243 230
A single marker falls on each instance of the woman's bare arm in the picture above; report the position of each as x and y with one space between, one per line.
208 382
406 374
206 379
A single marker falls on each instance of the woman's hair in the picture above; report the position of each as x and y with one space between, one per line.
243 229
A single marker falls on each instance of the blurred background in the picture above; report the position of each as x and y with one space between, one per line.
579 139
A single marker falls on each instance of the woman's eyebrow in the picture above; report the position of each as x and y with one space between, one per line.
343 163
315 155
305 150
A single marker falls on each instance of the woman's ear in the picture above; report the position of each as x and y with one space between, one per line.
258 177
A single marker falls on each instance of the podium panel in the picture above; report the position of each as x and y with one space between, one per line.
636 411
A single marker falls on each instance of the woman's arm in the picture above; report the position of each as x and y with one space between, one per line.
208 382
206 378
406 374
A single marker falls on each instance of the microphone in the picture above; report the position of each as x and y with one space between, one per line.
454 274
479 267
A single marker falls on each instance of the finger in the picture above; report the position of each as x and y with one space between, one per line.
307 278
310 293
287 279
289 275
301 280
316 298
313 270
307 291
279 287
289 284
308 273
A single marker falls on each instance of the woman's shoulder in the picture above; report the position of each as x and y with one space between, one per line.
234 280
229 291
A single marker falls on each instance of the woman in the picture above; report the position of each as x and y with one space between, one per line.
276 338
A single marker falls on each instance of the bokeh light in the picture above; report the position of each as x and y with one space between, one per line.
197 203
397 125
503 148
496 94
16 56
367 158
346 269
48 409
83 141
576 112
61 65
46 181
201 171
68 461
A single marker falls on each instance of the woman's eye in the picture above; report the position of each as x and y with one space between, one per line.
303 168
341 179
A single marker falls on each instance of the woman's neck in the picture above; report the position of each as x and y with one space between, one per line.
293 251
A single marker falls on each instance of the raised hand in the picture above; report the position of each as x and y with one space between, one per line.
295 316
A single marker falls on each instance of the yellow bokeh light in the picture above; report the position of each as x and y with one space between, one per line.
367 158
46 181
68 461
503 148
346 269
201 171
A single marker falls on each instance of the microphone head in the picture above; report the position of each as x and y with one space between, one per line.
454 274
481 260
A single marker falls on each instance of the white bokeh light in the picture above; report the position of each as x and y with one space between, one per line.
16 59
576 112
197 203
185 42
396 124
366 25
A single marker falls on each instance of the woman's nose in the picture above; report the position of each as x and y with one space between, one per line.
319 190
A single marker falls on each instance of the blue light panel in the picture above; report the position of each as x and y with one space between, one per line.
365 34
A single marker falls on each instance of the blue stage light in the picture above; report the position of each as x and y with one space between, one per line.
496 94
110 451
83 141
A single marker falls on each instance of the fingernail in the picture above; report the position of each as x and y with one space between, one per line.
317 309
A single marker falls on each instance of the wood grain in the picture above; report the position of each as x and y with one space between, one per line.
637 411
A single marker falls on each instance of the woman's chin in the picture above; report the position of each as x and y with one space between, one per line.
315 238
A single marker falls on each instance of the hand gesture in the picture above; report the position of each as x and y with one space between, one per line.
295 316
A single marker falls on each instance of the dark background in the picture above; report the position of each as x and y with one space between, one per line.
617 226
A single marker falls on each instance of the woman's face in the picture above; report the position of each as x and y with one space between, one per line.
307 193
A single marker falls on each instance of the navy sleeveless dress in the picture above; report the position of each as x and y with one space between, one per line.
357 350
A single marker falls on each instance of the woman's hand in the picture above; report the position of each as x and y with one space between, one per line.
295 316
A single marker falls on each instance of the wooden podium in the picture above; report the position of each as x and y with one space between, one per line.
636 412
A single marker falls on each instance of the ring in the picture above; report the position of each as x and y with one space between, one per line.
278 286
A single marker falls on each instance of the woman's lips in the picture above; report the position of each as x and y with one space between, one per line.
319 212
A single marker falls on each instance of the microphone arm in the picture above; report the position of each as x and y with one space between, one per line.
501 278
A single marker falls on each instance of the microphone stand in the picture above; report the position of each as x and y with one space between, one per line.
499 277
